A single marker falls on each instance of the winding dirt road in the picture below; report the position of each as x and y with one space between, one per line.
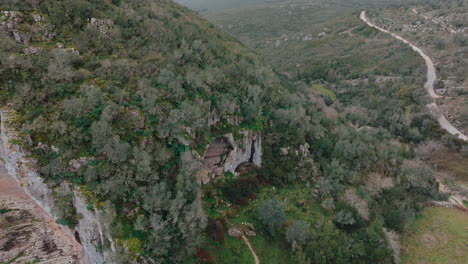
429 85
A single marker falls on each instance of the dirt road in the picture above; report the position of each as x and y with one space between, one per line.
429 85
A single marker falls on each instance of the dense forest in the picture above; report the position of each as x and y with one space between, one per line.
129 87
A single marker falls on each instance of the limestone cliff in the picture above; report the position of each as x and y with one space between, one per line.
90 231
225 154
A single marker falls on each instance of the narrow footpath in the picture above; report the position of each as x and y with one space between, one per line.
257 261
431 78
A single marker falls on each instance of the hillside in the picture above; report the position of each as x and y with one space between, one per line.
123 92
441 29
376 81
154 137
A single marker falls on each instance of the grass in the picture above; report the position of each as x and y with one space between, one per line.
440 236
298 204
324 91
451 163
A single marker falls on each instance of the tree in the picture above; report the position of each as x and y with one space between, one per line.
271 213
117 150
298 233
61 66
344 218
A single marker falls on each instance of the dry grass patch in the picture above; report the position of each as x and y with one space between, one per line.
439 236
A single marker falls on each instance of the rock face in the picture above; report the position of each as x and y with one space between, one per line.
242 229
225 154
27 233
18 26
104 26
90 231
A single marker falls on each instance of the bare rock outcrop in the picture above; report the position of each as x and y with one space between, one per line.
103 26
93 234
27 233
225 154
24 27
244 228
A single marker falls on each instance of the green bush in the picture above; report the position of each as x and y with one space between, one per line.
271 213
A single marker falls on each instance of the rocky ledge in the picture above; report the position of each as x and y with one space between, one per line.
90 232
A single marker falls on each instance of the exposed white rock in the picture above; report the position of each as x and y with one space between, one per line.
248 149
90 229
277 43
94 235
11 25
225 154
32 50
104 26
308 37
213 118
234 232
242 229
302 151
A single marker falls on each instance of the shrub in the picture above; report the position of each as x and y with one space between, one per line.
216 229
298 233
240 190
271 213
347 217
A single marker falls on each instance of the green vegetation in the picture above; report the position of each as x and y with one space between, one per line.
4 211
439 236
130 97
380 93
324 91
272 215
436 27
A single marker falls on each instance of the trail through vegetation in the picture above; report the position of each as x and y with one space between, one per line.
246 240
431 78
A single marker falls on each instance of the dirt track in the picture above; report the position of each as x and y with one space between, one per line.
429 85
257 261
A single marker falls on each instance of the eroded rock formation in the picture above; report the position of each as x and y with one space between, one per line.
90 231
24 27
225 154
27 233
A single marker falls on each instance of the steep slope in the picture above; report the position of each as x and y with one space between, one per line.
143 128
372 81
116 98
